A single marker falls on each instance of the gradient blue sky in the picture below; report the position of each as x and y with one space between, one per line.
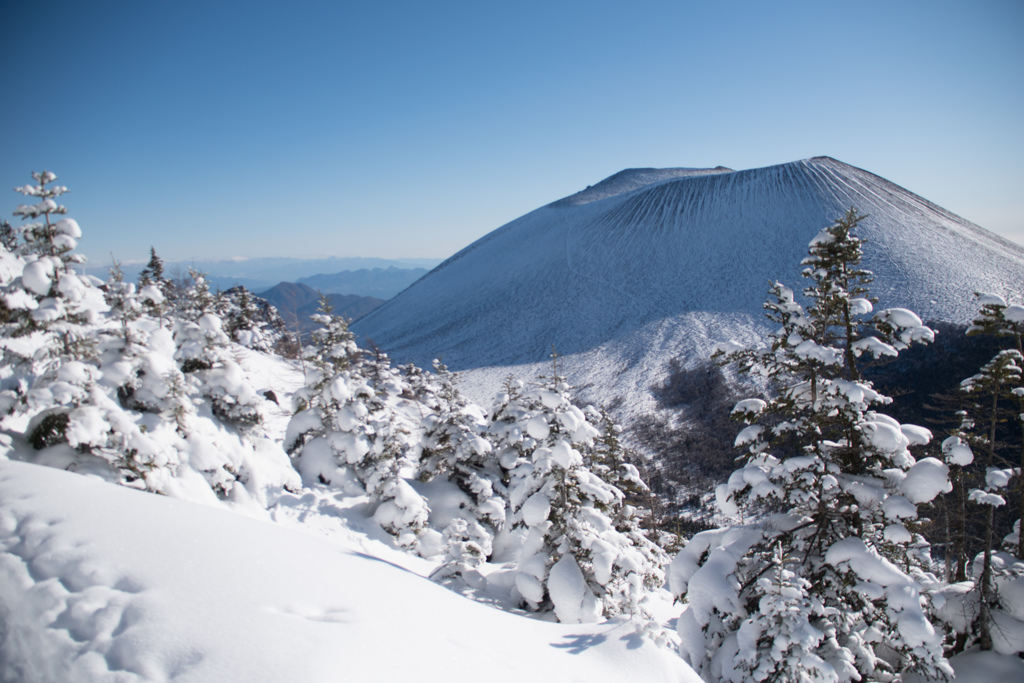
406 129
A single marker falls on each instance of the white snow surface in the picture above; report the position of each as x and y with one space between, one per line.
574 602
650 265
981 667
103 583
924 480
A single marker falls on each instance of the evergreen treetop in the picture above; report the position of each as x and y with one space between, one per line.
832 478
153 273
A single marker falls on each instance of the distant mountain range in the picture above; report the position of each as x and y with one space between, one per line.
296 301
655 264
377 282
375 276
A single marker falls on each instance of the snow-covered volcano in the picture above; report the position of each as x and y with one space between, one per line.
651 264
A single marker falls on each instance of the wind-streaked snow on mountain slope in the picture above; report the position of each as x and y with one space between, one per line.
102 583
651 264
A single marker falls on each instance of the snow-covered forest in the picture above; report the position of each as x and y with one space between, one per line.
313 496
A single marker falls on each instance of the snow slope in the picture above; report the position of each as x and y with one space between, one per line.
651 264
103 583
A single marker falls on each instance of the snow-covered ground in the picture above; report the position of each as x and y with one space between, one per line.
99 582
102 583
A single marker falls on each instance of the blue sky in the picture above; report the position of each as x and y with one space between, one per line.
410 129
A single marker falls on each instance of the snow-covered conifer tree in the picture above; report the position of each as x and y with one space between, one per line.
49 295
250 321
838 476
347 431
997 317
572 560
158 294
1000 319
197 299
333 351
334 348
464 552
779 641
46 305
123 301
153 273
994 620
454 447
505 426
609 459
204 355
62 379
11 266
958 456
87 428
421 385
8 236
95 386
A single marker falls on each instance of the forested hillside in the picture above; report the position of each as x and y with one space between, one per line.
847 543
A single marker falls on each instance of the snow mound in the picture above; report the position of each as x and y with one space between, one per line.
102 583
